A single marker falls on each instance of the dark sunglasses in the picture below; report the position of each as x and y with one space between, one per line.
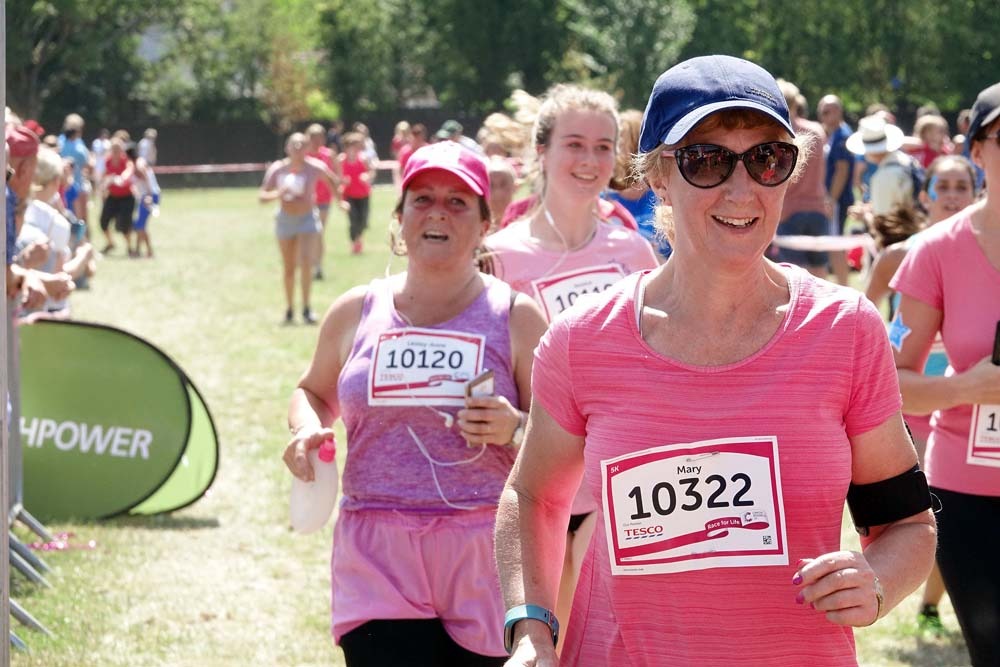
708 165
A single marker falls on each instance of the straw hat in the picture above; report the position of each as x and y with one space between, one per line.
875 135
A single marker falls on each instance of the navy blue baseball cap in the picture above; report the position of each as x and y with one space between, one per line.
985 110
689 91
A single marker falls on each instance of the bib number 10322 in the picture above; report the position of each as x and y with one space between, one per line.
984 436
663 498
694 506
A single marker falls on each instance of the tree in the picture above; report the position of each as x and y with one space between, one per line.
252 59
629 44
369 53
86 47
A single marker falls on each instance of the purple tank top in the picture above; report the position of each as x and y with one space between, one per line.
385 468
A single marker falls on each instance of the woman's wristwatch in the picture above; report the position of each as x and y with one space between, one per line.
523 612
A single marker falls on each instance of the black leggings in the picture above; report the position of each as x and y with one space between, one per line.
358 216
120 210
412 642
968 545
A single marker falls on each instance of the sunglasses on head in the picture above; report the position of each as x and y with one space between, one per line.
708 165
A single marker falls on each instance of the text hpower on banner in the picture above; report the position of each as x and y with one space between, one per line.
108 424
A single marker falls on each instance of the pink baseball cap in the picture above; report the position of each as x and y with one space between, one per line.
21 141
453 158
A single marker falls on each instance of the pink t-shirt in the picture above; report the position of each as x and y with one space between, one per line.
556 279
324 195
827 374
355 186
947 270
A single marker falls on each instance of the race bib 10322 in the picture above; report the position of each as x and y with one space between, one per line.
715 503
415 366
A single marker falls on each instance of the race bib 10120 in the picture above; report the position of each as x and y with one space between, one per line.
415 366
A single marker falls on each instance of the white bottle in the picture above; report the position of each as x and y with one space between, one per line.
312 502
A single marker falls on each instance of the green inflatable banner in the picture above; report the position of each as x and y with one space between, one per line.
109 424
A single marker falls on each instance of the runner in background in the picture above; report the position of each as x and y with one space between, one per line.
503 185
563 251
359 174
949 188
147 197
804 211
71 145
402 136
628 191
292 183
723 408
99 148
413 576
119 200
839 174
418 139
319 151
950 284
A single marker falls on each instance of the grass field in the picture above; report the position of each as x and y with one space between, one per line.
224 582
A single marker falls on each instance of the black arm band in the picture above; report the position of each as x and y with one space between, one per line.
890 500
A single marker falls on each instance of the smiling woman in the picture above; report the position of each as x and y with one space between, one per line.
722 408
292 183
414 581
563 252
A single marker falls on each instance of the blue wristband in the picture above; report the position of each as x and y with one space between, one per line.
526 611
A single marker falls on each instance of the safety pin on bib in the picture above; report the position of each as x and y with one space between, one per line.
696 457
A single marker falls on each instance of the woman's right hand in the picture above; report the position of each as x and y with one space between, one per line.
296 456
981 383
530 652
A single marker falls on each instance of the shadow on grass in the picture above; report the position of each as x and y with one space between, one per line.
944 650
162 522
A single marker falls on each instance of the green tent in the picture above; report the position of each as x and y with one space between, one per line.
109 424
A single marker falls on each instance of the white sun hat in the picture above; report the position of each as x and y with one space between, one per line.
875 135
